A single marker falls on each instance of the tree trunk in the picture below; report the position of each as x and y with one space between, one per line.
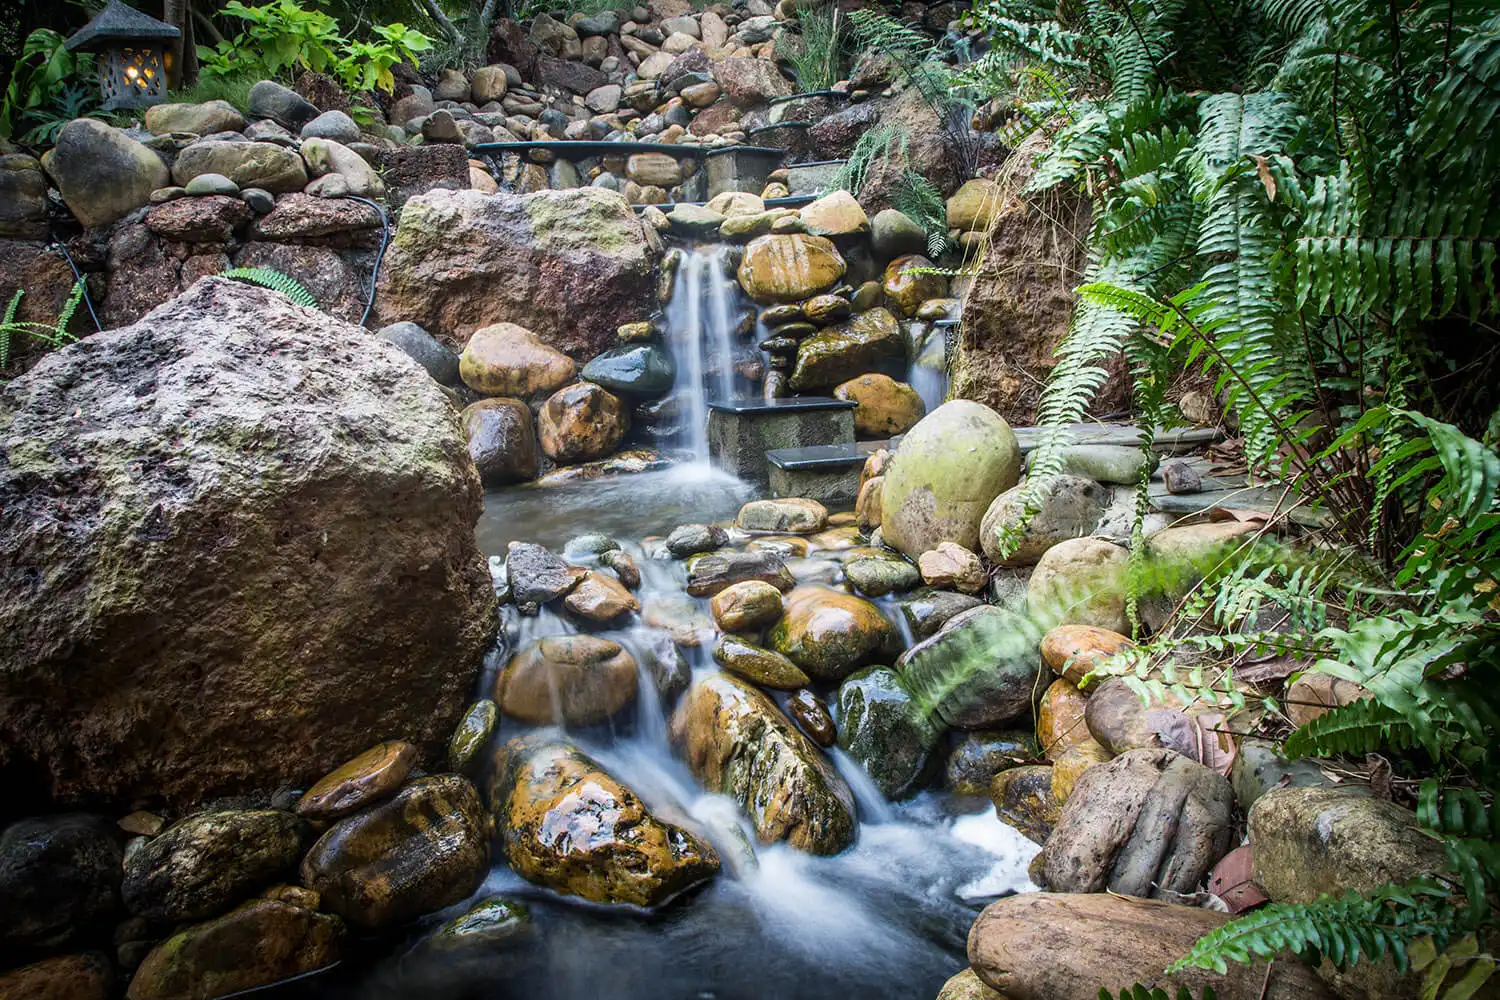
175 13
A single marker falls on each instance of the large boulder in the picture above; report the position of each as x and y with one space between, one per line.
572 266
1069 946
738 743
88 976
103 174
948 470
563 822
839 353
1148 823
250 523
424 849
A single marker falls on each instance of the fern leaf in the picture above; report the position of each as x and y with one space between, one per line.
274 280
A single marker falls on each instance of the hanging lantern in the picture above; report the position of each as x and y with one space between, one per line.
132 52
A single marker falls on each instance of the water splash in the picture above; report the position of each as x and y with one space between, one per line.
701 320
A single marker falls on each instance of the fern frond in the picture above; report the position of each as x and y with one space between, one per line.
274 280
1360 727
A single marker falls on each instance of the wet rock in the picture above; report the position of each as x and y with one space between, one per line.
572 679
1071 764
949 469
1147 823
624 566
746 607
894 234
472 736
283 648
600 598
1069 507
967 986
711 572
260 943
1073 651
952 567
1061 719
509 360
905 290
789 267
929 610
886 407
974 207
196 119
981 666
1023 800
581 422
1108 463
488 923
691 539
834 214
829 633
1013 947
372 776
102 173
65 977
208 863
502 441
1120 720
59 881
826 309
811 716
794 516
978 757
426 350
757 665
667 668
679 616
884 730
748 82
262 165
739 744
565 823
1082 582
284 105
1311 841
461 260
837 354
634 370
424 849
876 576
537 576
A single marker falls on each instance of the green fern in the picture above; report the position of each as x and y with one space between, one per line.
885 143
274 280
54 334
1139 992
917 198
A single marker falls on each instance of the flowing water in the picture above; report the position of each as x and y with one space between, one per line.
701 320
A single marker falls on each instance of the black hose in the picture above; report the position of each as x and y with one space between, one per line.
385 239
79 276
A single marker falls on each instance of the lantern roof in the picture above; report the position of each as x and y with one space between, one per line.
118 23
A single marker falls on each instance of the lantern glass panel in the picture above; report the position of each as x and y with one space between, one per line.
133 75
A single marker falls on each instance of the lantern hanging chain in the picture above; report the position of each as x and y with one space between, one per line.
87 300
385 237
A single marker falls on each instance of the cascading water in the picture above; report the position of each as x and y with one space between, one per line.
701 321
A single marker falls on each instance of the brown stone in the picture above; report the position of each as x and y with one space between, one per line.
601 598
374 775
301 218
829 633
867 504
509 360
952 567
1113 942
581 422
502 440
565 823
746 607
905 291
1060 719
572 679
757 665
748 82
789 268
1071 763
788 515
1072 651
811 715
886 407
337 279
66 977
424 849
1023 799
210 219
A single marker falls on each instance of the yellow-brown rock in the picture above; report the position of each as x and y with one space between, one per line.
886 407
835 214
1023 799
1072 651
368 778
829 633
424 849
788 515
601 598
974 206
568 679
64 977
746 607
967 986
1070 765
565 823
950 566
581 423
758 665
789 267
1060 721
905 291
867 505
509 360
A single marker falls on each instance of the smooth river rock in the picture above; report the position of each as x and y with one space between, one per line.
418 852
504 359
59 881
231 428
839 353
207 863
102 173
884 730
737 742
502 441
1069 507
565 823
746 607
1081 582
789 267
829 633
980 670
569 679
581 423
942 479
374 775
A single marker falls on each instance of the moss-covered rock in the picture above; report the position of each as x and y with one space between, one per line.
885 730
839 353
829 633
756 665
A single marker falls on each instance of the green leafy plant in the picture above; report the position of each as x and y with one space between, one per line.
70 102
916 197
817 53
39 76
1139 992
280 38
274 280
53 334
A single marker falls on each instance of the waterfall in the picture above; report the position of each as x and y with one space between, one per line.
701 319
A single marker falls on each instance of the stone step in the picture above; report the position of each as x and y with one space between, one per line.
750 406
851 454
